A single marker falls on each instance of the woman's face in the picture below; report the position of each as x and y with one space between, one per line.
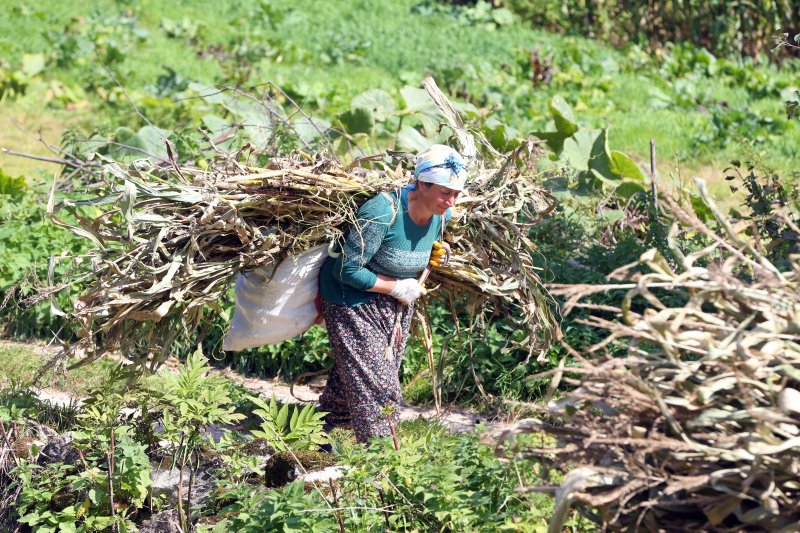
438 198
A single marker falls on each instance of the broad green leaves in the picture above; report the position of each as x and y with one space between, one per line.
376 122
563 116
358 120
367 108
577 149
624 166
33 64
149 142
411 139
378 102
257 119
586 150
288 426
417 100
420 107
311 129
502 136
289 510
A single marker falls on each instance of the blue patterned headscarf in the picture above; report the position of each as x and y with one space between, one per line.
442 165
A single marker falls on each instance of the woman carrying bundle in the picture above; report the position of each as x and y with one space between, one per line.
382 256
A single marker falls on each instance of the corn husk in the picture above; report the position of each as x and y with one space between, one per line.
698 428
168 239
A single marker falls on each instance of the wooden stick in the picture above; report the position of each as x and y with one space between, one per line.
37 157
398 318
653 187
338 507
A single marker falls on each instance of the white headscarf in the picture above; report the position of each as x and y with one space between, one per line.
442 165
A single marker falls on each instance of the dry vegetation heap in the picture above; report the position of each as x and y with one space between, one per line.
167 239
698 427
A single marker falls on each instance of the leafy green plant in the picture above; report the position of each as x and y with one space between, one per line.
729 126
125 464
103 36
17 403
281 510
13 187
39 486
238 461
185 28
793 106
481 13
437 482
586 150
289 427
190 401
116 473
12 82
29 239
101 495
771 208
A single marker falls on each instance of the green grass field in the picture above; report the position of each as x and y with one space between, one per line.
19 364
701 115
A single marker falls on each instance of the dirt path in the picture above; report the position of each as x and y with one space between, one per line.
456 420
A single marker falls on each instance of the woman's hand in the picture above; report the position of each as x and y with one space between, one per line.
407 290
440 255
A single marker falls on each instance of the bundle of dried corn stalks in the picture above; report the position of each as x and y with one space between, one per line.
168 239
698 428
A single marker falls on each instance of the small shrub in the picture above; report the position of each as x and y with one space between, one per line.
289 427
61 497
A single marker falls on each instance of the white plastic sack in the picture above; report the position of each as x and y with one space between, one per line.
272 311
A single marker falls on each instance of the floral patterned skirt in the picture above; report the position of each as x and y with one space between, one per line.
363 380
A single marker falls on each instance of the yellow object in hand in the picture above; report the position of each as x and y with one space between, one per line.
440 254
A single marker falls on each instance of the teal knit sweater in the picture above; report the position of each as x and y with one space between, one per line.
376 246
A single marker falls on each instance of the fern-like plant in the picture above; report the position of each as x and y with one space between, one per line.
191 400
288 427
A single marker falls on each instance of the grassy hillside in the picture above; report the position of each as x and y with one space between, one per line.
702 112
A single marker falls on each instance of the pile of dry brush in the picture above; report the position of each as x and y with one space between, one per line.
698 427
167 239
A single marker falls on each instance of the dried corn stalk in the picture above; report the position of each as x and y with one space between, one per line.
170 238
698 428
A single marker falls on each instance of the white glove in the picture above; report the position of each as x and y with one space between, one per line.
407 290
